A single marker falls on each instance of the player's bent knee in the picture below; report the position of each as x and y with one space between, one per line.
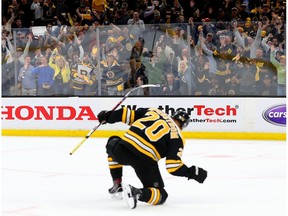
111 143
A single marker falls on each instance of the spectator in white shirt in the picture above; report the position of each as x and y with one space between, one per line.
38 12
136 25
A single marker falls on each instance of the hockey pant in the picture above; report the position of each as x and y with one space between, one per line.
153 191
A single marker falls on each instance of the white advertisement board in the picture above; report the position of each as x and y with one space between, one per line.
207 114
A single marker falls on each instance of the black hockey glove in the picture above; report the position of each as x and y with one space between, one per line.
103 116
197 173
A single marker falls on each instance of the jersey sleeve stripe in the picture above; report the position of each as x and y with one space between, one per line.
132 117
173 165
173 161
124 115
127 117
171 170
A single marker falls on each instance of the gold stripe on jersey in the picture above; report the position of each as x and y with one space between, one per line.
113 164
124 115
128 116
142 145
155 196
173 165
132 117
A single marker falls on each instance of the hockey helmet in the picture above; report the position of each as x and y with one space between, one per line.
182 117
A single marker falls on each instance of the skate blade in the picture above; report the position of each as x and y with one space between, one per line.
127 193
117 196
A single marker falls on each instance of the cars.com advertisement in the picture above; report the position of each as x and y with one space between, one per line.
276 115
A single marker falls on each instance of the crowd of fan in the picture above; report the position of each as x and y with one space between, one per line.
106 47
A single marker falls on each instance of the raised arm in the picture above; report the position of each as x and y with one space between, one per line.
237 34
26 50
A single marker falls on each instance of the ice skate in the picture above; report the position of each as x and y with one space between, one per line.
116 190
131 195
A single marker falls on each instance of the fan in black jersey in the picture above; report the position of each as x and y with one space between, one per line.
152 135
83 76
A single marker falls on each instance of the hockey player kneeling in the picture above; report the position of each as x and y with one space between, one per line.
152 135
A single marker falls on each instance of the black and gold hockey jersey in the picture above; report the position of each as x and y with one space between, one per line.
87 71
152 135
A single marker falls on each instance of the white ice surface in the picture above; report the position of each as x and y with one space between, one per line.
40 178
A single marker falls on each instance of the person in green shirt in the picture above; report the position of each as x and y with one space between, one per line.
281 71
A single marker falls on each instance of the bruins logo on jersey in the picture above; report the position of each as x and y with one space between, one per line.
110 74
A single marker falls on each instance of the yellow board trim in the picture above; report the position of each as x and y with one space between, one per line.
108 133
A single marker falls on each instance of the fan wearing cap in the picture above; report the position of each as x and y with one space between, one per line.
152 135
234 14
223 55
157 20
266 11
113 77
208 26
266 86
242 12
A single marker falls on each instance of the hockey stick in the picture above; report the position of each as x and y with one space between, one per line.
117 105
